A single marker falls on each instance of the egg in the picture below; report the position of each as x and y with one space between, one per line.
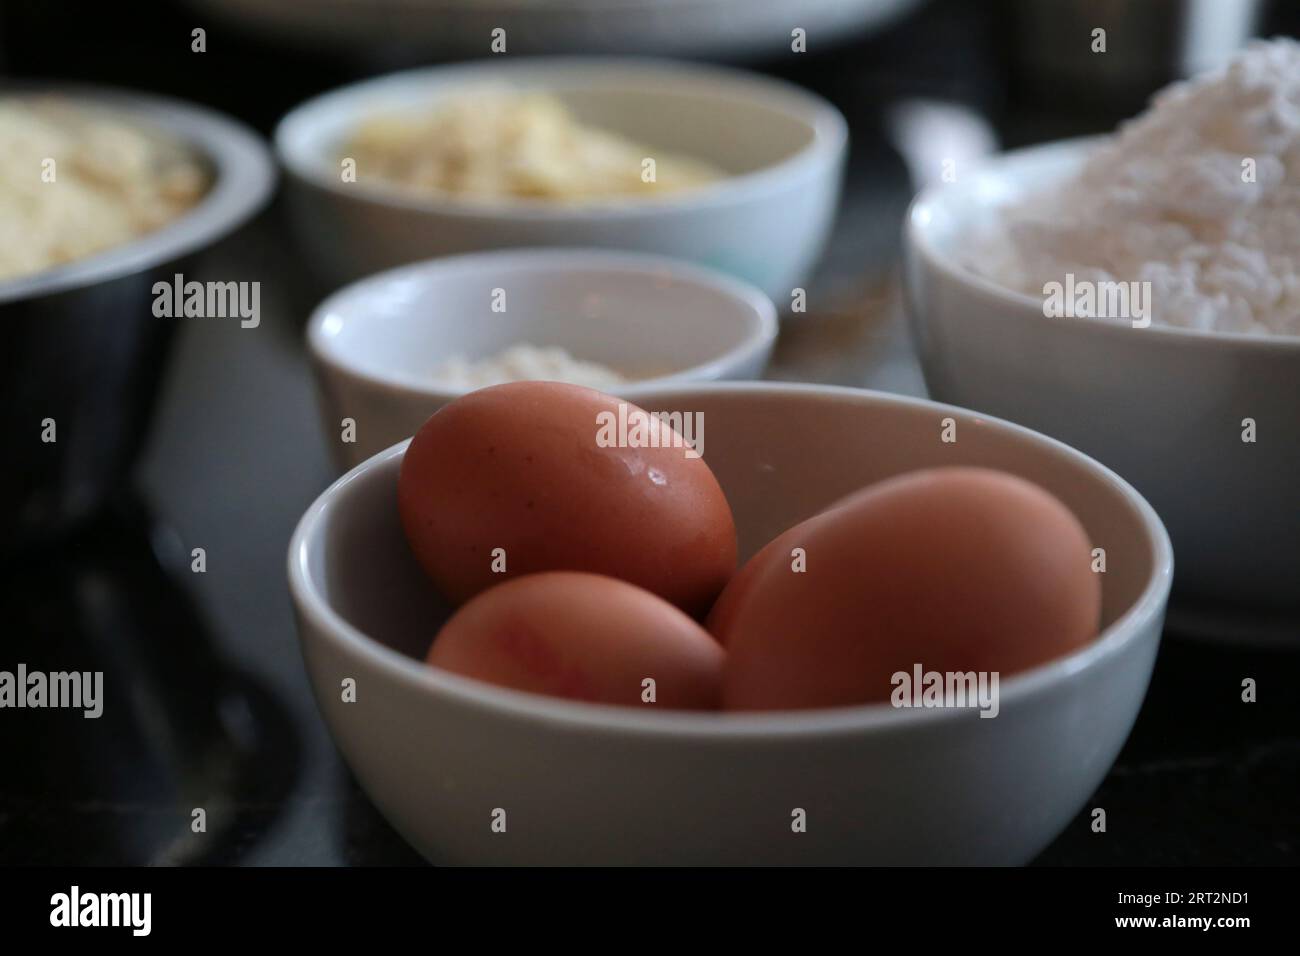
952 569
528 477
583 637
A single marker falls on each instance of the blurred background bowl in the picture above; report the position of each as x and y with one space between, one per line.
84 347
595 784
418 30
375 344
765 222
1162 406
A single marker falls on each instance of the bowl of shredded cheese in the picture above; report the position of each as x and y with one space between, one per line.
80 180
725 168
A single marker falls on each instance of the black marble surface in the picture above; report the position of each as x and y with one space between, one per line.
207 701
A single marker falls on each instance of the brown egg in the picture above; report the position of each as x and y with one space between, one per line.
584 637
954 569
513 476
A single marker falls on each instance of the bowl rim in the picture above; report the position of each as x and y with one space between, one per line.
317 616
826 123
1014 305
760 337
244 177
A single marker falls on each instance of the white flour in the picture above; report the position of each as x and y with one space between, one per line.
1168 200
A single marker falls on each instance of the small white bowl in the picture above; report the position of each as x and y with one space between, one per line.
593 784
1162 406
766 223
375 344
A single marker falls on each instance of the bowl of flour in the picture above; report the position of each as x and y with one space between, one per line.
1138 296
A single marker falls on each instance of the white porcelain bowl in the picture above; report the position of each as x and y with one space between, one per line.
424 30
375 344
583 783
765 223
1162 406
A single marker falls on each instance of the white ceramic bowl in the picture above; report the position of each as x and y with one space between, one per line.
1161 406
584 783
375 343
424 30
766 223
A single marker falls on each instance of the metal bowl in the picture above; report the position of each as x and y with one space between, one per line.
83 346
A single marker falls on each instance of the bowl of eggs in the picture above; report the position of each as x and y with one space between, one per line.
392 349
717 166
555 627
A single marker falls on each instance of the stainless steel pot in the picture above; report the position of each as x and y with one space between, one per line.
81 345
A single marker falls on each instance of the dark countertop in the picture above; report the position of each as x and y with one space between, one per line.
218 709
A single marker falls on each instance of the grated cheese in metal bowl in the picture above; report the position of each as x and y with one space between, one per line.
76 180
